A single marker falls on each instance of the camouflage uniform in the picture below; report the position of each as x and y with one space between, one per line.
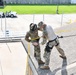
50 44
34 38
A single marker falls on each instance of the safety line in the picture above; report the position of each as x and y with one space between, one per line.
66 36
27 67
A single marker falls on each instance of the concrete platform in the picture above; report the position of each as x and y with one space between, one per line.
13 55
58 66
13 59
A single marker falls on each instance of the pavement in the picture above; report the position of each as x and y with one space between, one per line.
20 25
13 56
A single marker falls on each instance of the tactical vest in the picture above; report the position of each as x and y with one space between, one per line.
34 35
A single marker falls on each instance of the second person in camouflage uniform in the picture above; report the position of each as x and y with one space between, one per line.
33 34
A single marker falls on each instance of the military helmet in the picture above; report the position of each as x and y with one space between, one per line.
33 27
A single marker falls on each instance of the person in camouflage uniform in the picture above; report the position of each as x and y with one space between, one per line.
48 34
33 34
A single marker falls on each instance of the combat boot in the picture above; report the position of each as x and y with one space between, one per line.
40 62
45 67
64 57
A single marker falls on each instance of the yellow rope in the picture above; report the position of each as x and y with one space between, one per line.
27 65
35 38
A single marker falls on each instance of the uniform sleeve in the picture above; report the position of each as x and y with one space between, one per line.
44 34
27 37
44 37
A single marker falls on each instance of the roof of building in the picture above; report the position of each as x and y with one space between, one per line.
57 65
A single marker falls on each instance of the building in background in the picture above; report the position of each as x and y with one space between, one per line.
1 3
40 1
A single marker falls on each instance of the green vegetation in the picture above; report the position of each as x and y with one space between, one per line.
40 9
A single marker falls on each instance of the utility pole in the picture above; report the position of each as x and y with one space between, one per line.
57 10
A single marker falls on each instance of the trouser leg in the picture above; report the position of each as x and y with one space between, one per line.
47 53
60 50
37 52
47 57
